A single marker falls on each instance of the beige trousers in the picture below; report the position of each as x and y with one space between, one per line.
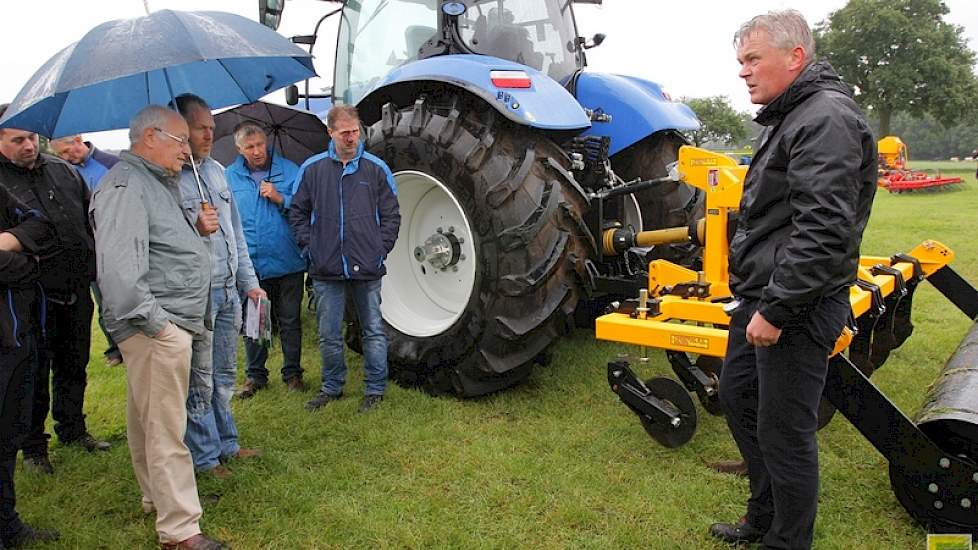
158 372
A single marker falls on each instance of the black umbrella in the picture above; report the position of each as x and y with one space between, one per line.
292 133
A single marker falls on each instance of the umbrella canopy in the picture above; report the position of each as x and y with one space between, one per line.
119 67
292 133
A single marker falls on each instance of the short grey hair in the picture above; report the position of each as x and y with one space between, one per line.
245 130
337 112
787 29
152 116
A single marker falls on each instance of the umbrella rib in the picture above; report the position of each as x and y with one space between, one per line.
231 74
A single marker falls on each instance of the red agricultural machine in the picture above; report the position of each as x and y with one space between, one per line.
895 174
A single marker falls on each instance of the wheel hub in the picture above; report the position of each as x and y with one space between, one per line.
441 250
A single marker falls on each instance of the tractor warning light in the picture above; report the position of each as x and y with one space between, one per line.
510 79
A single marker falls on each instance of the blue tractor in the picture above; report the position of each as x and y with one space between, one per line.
520 176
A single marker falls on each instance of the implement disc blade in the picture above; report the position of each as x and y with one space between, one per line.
675 395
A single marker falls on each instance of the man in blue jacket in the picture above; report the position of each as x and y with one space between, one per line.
345 217
262 183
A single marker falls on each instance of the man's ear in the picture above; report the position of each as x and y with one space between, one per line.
797 59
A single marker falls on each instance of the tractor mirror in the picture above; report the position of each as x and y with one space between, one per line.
292 95
270 12
307 39
596 40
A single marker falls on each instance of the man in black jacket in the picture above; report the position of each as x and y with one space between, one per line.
23 235
52 187
806 201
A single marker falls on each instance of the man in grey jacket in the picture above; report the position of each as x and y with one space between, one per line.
211 432
154 271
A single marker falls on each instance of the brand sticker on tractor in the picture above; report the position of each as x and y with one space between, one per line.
703 162
689 341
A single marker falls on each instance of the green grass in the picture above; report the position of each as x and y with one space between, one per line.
555 463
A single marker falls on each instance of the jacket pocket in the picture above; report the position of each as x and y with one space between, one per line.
363 247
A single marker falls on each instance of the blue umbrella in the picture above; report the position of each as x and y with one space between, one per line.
119 67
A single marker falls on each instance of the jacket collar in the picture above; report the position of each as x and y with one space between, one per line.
38 164
157 171
354 163
816 77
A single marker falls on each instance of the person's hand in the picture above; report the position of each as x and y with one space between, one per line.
162 330
207 221
10 243
256 294
760 333
269 191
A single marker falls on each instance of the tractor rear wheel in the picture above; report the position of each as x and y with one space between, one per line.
668 204
483 276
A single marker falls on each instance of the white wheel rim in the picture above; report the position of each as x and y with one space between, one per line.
419 299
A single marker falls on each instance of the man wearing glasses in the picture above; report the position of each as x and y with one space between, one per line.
154 270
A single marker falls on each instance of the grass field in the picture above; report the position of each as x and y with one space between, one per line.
555 463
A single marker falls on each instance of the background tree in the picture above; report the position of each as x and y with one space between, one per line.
721 124
928 139
903 57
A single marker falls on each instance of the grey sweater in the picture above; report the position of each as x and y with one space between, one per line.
153 267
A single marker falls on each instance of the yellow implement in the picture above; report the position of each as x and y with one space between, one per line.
933 461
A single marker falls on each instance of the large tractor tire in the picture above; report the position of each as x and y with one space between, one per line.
668 204
483 276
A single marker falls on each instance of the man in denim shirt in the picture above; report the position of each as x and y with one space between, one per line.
211 432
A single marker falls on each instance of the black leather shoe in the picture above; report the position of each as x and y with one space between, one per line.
90 444
321 401
28 535
369 402
736 533
39 464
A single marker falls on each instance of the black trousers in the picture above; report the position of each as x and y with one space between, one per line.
285 295
16 397
64 357
771 397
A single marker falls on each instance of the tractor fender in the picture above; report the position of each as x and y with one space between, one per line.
638 108
545 105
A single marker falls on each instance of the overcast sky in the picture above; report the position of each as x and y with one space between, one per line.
685 45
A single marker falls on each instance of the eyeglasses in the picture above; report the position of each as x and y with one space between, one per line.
180 140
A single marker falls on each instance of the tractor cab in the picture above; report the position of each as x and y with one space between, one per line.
375 37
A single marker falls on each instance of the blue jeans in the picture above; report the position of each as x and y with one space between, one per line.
211 432
330 302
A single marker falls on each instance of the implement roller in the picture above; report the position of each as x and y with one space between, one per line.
933 459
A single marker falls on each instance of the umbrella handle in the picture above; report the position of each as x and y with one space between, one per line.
205 206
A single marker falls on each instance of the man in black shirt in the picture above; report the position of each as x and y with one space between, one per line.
50 186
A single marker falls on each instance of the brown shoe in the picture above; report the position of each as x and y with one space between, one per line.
196 542
250 388
219 471
732 467
296 384
246 453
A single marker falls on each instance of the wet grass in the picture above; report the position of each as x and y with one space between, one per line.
555 463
